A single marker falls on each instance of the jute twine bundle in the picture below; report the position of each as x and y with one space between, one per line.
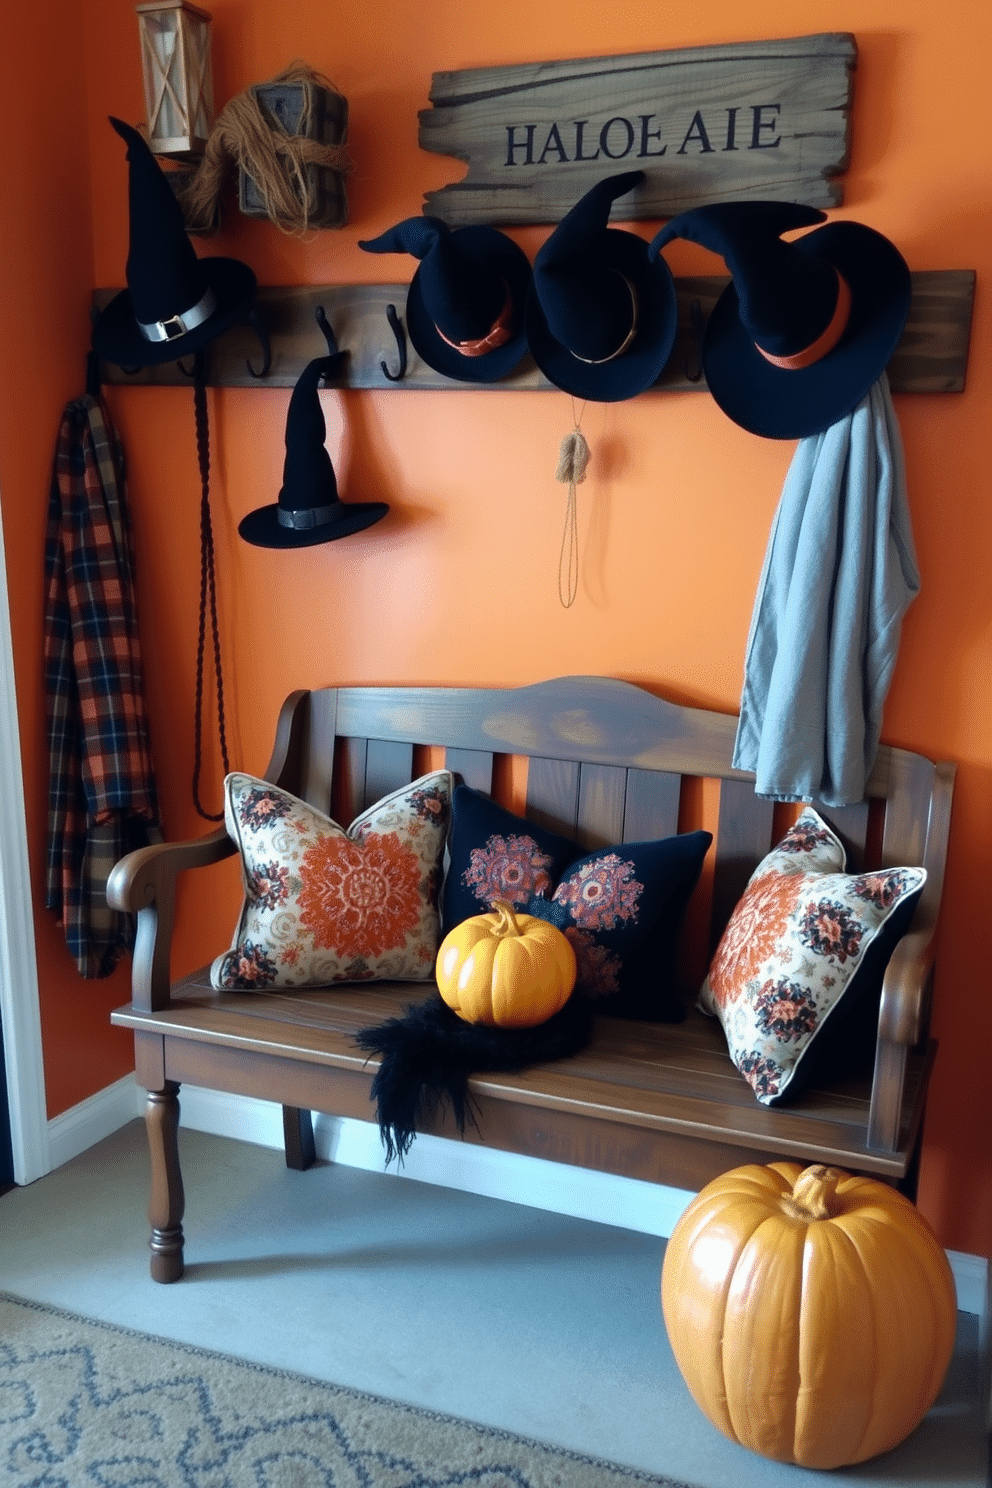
248 137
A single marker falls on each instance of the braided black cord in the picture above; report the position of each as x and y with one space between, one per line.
208 591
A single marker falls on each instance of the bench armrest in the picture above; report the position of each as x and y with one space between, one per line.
144 883
902 1020
904 1012
902 1016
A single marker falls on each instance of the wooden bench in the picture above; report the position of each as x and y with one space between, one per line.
607 762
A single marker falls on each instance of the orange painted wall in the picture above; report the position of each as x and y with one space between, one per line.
459 584
46 279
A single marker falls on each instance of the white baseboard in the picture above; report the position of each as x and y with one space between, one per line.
628 1203
579 1192
88 1123
971 1277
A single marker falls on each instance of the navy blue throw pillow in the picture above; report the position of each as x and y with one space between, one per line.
621 907
497 855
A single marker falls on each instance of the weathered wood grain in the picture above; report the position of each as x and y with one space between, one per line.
761 119
932 356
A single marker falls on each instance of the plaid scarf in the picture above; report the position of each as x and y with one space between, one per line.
102 796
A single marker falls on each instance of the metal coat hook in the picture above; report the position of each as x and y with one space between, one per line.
396 326
255 321
92 374
197 372
694 372
92 360
328 330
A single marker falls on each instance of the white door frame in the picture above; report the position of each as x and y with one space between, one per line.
19 1008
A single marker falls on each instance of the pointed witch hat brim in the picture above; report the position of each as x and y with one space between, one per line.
309 510
262 528
116 337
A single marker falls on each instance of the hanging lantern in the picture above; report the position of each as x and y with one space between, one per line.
176 66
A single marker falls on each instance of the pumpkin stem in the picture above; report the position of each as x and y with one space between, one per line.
814 1194
506 925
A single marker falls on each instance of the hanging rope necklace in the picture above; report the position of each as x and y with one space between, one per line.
573 457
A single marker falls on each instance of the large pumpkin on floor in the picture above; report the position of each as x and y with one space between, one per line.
812 1313
505 969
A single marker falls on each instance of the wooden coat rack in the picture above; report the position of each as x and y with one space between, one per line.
932 356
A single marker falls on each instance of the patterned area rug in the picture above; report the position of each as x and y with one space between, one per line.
84 1402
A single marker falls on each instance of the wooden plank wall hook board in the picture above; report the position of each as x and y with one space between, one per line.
747 121
932 356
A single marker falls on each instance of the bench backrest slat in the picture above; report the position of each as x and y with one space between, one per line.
553 794
318 749
743 837
349 791
388 766
602 794
851 825
905 832
473 766
651 808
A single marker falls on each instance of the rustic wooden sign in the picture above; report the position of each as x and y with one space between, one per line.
751 120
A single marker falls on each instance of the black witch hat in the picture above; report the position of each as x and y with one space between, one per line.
805 326
175 302
309 510
465 304
601 318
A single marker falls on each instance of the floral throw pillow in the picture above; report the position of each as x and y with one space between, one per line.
804 945
621 907
327 905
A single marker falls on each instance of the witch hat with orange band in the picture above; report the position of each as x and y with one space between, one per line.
805 327
465 304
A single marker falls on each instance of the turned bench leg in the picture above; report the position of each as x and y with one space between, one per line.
297 1130
165 1208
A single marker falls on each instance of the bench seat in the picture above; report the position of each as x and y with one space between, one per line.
645 1078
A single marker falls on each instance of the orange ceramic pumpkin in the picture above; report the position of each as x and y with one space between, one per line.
812 1313
505 969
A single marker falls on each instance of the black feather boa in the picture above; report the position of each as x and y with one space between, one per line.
429 1054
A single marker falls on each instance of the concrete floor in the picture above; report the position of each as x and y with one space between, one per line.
540 1324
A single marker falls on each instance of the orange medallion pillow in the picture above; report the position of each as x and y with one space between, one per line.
806 944
327 905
